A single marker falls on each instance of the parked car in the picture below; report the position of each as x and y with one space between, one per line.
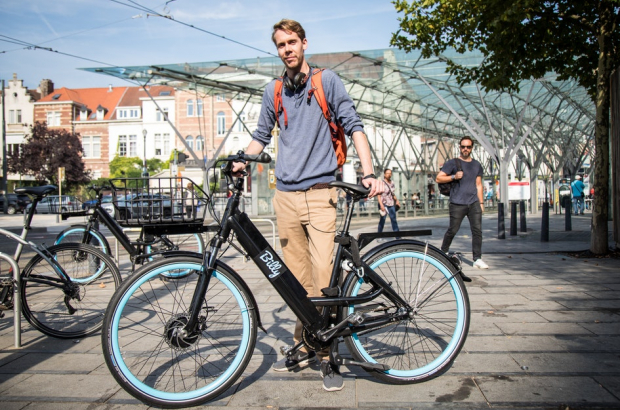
92 202
16 203
51 204
141 206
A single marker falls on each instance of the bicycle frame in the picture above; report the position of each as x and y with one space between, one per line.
286 284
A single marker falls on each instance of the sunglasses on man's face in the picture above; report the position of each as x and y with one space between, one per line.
466 146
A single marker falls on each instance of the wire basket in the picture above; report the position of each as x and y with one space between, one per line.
151 201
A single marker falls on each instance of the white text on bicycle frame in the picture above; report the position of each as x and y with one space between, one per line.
273 265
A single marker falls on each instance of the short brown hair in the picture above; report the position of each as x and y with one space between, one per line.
467 138
288 26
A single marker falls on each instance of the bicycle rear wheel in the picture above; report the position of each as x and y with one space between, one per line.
424 345
73 309
145 347
75 234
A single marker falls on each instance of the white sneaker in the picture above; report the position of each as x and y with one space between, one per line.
479 264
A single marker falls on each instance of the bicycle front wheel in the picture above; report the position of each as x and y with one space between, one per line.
68 309
151 355
425 344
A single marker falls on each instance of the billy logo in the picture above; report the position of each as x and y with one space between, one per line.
271 263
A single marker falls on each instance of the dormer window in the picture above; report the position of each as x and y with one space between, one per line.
83 114
101 113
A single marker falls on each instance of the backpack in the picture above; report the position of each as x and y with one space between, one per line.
337 131
446 187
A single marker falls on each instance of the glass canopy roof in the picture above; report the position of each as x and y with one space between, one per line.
549 122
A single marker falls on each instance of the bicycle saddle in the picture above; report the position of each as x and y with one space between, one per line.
38 191
353 189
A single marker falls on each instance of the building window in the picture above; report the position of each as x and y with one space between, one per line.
100 114
122 145
128 113
15 116
190 141
219 98
13 149
240 122
53 119
83 115
158 145
199 108
200 143
190 108
159 116
221 123
133 145
166 138
91 146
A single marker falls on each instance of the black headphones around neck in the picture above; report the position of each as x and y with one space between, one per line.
299 80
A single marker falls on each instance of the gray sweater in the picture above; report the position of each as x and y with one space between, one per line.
305 151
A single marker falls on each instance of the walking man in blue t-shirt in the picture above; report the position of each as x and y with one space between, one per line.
466 199
577 188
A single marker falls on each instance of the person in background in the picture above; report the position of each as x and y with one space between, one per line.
465 199
388 202
577 189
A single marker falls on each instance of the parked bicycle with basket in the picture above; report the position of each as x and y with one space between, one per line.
64 289
182 330
156 207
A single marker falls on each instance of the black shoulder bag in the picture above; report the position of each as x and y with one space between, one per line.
445 188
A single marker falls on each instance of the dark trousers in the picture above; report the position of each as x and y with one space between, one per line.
474 215
391 211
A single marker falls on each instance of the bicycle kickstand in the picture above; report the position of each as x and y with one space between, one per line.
337 359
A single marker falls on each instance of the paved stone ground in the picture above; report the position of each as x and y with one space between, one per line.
544 334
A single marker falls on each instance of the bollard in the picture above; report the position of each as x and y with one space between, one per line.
544 228
567 211
501 231
523 227
513 218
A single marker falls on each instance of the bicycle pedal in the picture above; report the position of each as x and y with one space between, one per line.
285 349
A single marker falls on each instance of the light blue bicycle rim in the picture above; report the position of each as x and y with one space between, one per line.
120 363
460 315
94 275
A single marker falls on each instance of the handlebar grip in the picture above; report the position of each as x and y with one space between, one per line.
263 158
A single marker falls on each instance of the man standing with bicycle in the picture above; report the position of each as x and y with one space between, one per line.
465 199
305 205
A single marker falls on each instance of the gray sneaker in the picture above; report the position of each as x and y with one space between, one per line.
287 364
332 379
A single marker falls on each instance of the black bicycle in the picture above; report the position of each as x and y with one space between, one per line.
64 289
156 207
182 330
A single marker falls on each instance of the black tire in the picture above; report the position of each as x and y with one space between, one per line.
154 362
75 234
94 277
424 345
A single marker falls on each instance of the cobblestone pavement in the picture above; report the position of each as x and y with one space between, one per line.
544 334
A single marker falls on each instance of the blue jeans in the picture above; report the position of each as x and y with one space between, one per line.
578 205
473 213
391 211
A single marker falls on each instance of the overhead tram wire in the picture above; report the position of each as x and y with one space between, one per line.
69 35
138 6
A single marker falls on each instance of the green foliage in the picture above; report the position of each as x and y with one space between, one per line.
46 150
131 167
520 39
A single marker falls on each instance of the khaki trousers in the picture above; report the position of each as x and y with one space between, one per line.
307 225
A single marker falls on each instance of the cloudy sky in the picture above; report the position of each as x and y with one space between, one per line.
121 32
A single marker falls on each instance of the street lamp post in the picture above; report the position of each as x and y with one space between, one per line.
145 170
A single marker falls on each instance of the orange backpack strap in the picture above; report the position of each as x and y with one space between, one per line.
337 133
277 102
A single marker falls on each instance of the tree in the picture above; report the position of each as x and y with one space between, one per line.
525 39
131 167
46 150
